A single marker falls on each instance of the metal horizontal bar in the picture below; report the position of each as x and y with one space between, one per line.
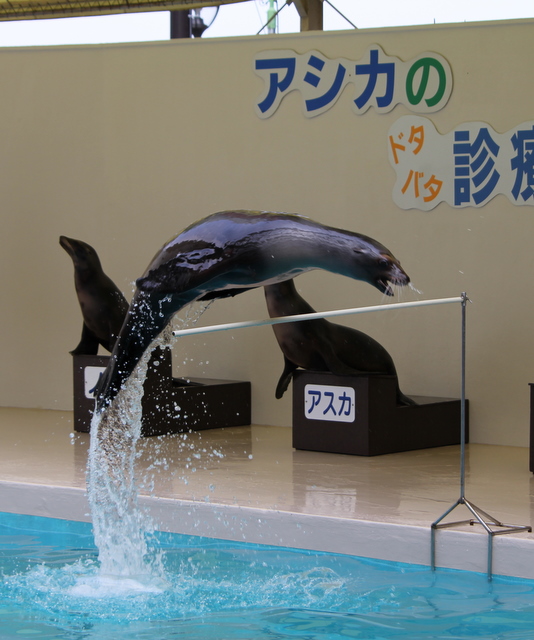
314 316
447 525
512 529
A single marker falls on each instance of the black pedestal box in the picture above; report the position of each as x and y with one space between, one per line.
170 405
358 415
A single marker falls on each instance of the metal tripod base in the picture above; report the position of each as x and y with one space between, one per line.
492 526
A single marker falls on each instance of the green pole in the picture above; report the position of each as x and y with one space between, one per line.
271 17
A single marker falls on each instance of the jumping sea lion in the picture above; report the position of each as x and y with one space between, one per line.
103 305
231 252
319 345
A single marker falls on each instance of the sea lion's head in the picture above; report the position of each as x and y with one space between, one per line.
83 255
380 267
389 272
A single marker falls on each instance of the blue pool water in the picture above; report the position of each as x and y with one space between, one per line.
212 589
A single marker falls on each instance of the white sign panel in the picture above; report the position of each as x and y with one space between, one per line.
423 84
466 167
327 402
91 375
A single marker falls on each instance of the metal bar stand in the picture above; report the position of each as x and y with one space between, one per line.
491 525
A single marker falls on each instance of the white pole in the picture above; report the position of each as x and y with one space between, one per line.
313 316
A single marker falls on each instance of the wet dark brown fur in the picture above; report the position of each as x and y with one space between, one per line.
230 252
319 345
103 306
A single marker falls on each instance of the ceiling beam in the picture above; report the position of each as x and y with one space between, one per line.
40 9
311 14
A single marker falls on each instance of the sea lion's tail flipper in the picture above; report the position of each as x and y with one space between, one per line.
145 320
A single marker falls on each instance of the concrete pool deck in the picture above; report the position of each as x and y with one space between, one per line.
248 483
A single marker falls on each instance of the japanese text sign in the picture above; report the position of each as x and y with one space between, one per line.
331 403
465 168
423 84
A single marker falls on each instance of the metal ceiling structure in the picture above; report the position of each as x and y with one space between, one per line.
310 11
40 9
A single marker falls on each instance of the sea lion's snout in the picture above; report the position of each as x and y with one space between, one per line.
75 248
81 253
66 244
391 273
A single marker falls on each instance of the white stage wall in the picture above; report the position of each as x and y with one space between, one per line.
122 146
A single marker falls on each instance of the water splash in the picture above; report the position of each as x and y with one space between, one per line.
414 289
121 528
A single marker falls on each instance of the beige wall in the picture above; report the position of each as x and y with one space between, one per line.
122 146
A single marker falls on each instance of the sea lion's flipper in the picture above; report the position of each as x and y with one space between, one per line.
404 400
88 345
285 378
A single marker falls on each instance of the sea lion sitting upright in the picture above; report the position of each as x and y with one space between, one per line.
319 345
230 252
103 305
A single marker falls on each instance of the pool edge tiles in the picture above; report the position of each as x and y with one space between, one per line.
49 501
455 549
